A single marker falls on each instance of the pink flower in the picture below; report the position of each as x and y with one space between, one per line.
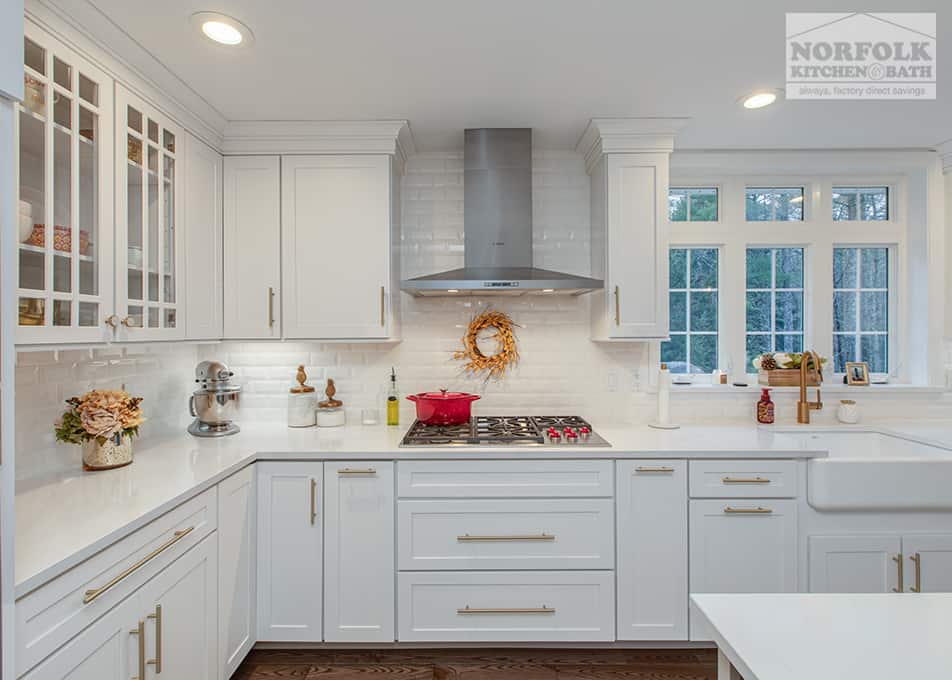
100 422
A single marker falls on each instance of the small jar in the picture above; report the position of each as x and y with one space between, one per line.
847 412
765 408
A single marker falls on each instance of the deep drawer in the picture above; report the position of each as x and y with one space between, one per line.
742 478
511 606
52 614
569 533
505 478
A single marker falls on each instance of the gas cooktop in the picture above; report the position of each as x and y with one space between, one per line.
508 431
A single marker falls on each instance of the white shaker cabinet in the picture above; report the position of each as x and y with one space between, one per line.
336 238
928 566
203 251
290 551
150 234
742 546
181 609
106 650
252 247
359 552
880 563
865 563
236 568
627 160
652 565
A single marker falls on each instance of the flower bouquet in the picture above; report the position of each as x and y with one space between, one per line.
782 369
103 422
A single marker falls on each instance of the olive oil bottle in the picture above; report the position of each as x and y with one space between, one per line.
393 401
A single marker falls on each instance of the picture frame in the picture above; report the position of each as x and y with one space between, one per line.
857 373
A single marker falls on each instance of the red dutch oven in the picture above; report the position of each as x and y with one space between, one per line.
443 408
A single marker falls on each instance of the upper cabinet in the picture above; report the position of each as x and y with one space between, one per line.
64 133
203 238
627 160
149 243
11 29
252 268
336 245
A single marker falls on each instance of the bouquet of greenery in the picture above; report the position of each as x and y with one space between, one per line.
770 361
100 415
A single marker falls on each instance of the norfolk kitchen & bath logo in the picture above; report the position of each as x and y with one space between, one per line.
861 55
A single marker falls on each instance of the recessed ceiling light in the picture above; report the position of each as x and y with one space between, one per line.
452 290
548 290
759 99
223 29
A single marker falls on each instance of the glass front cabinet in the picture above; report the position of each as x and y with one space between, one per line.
149 255
64 132
100 250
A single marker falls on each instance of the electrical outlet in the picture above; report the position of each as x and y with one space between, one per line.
613 381
634 379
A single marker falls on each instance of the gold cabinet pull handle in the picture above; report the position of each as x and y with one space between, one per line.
917 560
383 299
91 595
357 471
140 632
506 610
745 480
898 560
467 538
157 661
313 501
129 322
663 468
747 511
617 306
112 321
270 307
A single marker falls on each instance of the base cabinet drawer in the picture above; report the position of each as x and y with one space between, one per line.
505 479
569 533
512 606
743 478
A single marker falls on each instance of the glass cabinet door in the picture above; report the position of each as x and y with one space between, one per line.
64 233
148 210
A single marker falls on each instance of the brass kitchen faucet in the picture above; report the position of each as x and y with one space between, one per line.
804 406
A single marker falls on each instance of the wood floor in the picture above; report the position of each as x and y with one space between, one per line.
480 664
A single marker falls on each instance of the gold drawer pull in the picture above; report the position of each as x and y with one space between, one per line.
157 617
745 480
898 560
313 501
357 471
654 469
747 511
617 306
176 537
917 560
506 610
383 306
140 632
466 538
270 307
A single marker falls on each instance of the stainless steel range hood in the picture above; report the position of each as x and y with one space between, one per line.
497 213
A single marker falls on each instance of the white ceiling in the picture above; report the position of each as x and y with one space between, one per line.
445 65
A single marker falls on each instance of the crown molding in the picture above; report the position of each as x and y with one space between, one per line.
627 135
392 137
945 155
85 29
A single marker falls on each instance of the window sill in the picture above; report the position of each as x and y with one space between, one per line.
831 389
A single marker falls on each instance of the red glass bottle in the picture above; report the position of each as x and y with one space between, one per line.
765 408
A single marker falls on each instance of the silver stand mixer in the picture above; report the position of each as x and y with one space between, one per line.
215 403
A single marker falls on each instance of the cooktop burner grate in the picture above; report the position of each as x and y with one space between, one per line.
502 430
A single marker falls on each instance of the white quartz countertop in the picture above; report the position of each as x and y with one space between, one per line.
833 636
63 520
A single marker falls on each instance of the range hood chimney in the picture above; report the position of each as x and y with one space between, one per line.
497 175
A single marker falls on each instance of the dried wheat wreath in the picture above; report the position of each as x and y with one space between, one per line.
506 355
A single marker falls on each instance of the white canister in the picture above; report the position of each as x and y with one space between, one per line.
302 408
330 416
847 412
